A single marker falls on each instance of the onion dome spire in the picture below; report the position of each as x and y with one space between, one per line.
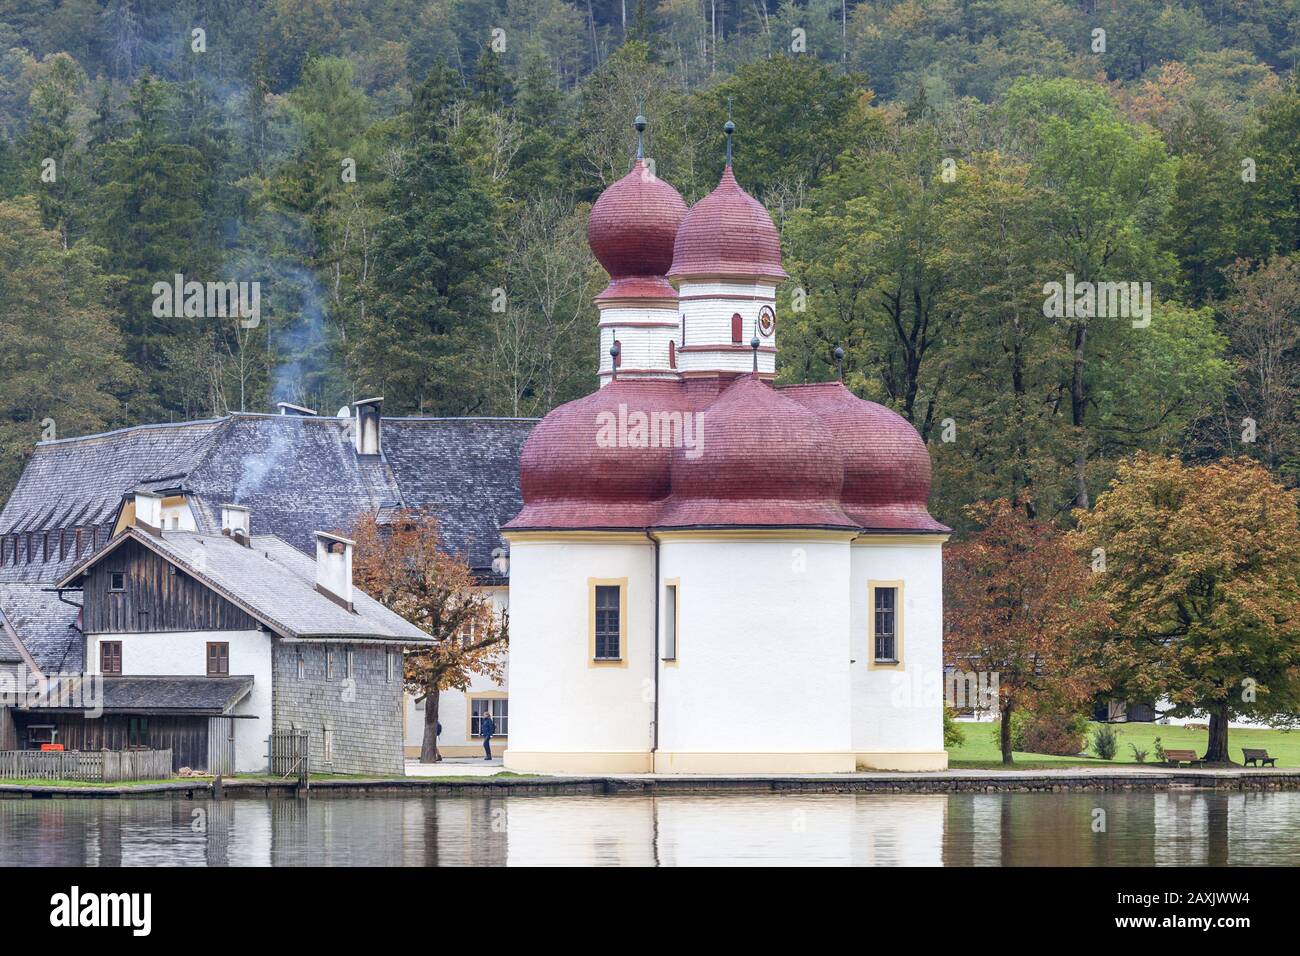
632 228
728 233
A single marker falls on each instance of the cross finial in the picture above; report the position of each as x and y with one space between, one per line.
728 128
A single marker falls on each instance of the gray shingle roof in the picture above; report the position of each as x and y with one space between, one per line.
297 475
8 651
273 582
178 695
46 626
466 471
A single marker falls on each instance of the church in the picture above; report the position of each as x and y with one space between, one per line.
710 573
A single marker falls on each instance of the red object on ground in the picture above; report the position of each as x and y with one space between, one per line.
51 747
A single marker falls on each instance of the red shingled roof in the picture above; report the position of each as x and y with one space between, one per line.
886 465
809 457
728 233
633 225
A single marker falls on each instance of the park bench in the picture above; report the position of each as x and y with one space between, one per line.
1175 757
1258 758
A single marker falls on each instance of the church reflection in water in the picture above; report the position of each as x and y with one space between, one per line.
1031 829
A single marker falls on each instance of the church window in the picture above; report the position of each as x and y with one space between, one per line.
737 328
607 621
670 621
886 623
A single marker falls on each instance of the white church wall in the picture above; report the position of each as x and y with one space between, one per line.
898 711
762 652
643 335
707 307
566 711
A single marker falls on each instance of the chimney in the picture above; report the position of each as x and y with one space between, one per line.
299 411
236 522
148 511
365 432
334 568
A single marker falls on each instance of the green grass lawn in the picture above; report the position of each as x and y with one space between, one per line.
980 751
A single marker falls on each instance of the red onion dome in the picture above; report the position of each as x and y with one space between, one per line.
762 460
727 233
886 464
586 465
634 223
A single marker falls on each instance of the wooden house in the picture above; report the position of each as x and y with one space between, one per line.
145 496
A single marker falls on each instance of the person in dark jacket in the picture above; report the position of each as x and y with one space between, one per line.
487 727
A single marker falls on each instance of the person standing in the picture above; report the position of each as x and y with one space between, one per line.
487 727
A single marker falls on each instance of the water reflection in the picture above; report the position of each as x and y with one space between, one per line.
1173 829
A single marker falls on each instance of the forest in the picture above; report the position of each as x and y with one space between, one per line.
408 183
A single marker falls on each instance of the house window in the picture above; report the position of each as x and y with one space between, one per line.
886 622
117 581
389 657
218 659
327 744
302 670
110 657
670 622
329 663
499 707
607 616
138 732
347 663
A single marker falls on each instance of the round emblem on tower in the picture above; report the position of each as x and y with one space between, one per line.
766 320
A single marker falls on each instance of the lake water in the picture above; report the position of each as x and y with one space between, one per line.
1030 829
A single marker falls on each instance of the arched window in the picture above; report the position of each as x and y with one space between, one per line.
737 328
672 354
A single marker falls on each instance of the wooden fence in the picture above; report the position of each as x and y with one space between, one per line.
290 755
91 766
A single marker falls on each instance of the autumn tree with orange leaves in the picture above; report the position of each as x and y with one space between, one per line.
1202 578
402 565
1016 606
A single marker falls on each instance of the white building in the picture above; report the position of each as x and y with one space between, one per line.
710 574
206 644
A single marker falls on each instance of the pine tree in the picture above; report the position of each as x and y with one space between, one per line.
421 345
149 212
